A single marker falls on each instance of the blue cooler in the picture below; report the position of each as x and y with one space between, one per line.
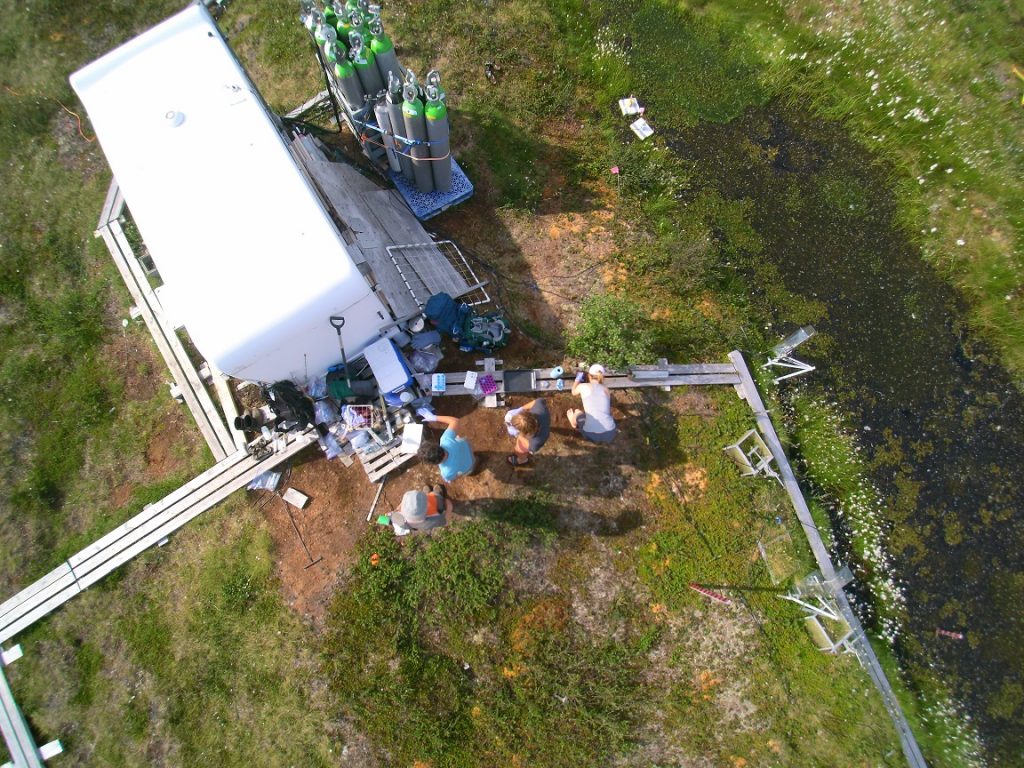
390 370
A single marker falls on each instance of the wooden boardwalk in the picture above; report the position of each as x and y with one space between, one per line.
148 528
695 374
211 423
859 641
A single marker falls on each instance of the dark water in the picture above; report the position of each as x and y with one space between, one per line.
942 421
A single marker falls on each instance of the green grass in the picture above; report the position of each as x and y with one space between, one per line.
438 656
189 654
442 652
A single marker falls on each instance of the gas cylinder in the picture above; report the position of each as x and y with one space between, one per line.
384 50
330 16
434 79
416 129
436 115
331 53
380 111
348 83
366 67
330 37
356 24
394 104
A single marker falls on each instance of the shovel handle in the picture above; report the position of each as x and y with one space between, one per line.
338 322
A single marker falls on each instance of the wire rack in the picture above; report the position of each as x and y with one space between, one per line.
429 268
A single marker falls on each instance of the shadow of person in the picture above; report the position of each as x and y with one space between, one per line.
539 514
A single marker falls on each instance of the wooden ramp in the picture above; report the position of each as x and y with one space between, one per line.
148 528
191 388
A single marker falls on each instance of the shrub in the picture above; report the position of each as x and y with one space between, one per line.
614 331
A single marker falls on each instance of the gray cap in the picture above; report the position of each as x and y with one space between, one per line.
413 511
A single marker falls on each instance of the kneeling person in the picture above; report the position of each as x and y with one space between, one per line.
423 510
530 425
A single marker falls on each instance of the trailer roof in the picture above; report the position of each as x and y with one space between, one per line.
239 236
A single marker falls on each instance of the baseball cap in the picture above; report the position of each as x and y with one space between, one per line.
413 510
596 370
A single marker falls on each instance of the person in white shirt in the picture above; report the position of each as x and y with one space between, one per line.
594 422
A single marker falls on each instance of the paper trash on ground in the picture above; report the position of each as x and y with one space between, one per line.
641 128
412 436
630 106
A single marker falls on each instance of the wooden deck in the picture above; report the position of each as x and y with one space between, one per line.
371 218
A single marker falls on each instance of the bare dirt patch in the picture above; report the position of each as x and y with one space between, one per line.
596 489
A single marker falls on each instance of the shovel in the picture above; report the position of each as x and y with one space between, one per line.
338 322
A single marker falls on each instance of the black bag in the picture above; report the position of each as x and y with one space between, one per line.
292 407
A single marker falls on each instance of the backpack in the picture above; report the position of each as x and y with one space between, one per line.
290 405
473 334
449 316
484 333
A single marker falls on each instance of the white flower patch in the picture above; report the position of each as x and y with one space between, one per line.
862 513
610 44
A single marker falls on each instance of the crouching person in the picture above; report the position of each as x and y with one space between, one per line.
422 510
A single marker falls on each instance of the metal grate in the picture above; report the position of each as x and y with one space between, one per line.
429 268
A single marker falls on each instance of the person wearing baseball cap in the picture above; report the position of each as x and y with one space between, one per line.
422 510
594 422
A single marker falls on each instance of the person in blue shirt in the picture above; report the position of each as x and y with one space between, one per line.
454 456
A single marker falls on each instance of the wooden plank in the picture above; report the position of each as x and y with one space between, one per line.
455 380
124 545
401 226
101 569
229 466
113 205
20 744
144 523
390 283
28 605
35 610
205 402
228 406
164 345
46 582
380 464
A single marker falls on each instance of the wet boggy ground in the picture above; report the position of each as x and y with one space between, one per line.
940 420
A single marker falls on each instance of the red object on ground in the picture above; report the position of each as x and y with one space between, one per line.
709 594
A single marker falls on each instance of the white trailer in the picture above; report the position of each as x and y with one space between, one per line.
252 264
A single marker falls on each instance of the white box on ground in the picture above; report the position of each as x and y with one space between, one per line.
470 382
630 106
412 436
295 498
52 749
641 128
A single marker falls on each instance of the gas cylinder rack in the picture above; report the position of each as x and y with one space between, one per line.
402 126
